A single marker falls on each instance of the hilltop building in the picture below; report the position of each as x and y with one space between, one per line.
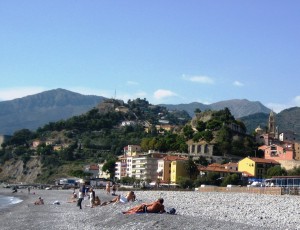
279 146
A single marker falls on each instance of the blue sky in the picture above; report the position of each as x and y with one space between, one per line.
165 51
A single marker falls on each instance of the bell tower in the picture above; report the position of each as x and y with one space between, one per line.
271 125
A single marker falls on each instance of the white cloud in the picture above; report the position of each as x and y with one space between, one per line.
297 100
132 83
125 96
238 83
199 79
162 93
278 107
18 92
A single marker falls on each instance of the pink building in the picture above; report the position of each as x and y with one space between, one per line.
278 152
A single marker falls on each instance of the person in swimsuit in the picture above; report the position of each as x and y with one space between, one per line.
130 196
154 207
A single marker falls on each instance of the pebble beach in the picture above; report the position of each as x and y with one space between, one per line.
194 210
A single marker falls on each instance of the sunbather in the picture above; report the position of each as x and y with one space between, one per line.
123 199
154 207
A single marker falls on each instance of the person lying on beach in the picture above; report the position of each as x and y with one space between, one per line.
40 201
130 196
73 198
154 207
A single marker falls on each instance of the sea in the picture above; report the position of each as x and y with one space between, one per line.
6 201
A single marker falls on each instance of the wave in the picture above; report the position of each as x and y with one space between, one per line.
6 201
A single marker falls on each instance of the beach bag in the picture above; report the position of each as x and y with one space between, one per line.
171 211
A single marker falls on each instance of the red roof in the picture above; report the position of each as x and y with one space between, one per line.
216 169
94 167
262 160
174 158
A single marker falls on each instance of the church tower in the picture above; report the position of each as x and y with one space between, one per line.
271 125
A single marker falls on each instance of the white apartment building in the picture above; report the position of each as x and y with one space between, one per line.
144 168
129 161
118 170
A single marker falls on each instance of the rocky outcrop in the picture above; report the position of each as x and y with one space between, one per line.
15 171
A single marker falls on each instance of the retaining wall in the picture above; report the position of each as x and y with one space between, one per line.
257 190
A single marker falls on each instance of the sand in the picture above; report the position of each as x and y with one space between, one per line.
195 210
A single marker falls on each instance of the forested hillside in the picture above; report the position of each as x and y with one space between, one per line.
101 134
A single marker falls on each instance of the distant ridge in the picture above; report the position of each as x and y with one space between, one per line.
33 111
36 110
238 107
286 120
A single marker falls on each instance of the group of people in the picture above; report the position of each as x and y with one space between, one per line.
94 200
153 207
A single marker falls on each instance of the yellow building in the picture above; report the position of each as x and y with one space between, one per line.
178 169
255 167
164 168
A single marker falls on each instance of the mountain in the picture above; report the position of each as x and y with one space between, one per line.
254 120
238 108
288 119
33 111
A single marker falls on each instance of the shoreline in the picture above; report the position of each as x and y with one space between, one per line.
195 210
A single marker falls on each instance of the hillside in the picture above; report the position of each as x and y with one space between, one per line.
288 119
238 108
36 110
95 136
254 120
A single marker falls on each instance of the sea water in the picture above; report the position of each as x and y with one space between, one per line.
6 201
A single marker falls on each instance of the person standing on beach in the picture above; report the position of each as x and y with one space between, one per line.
80 197
108 187
28 189
92 197
114 188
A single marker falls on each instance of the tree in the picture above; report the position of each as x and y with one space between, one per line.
197 111
188 132
184 182
200 126
276 171
191 168
231 179
202 161
294 172
109 167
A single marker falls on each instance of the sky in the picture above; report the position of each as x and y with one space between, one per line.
169 52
